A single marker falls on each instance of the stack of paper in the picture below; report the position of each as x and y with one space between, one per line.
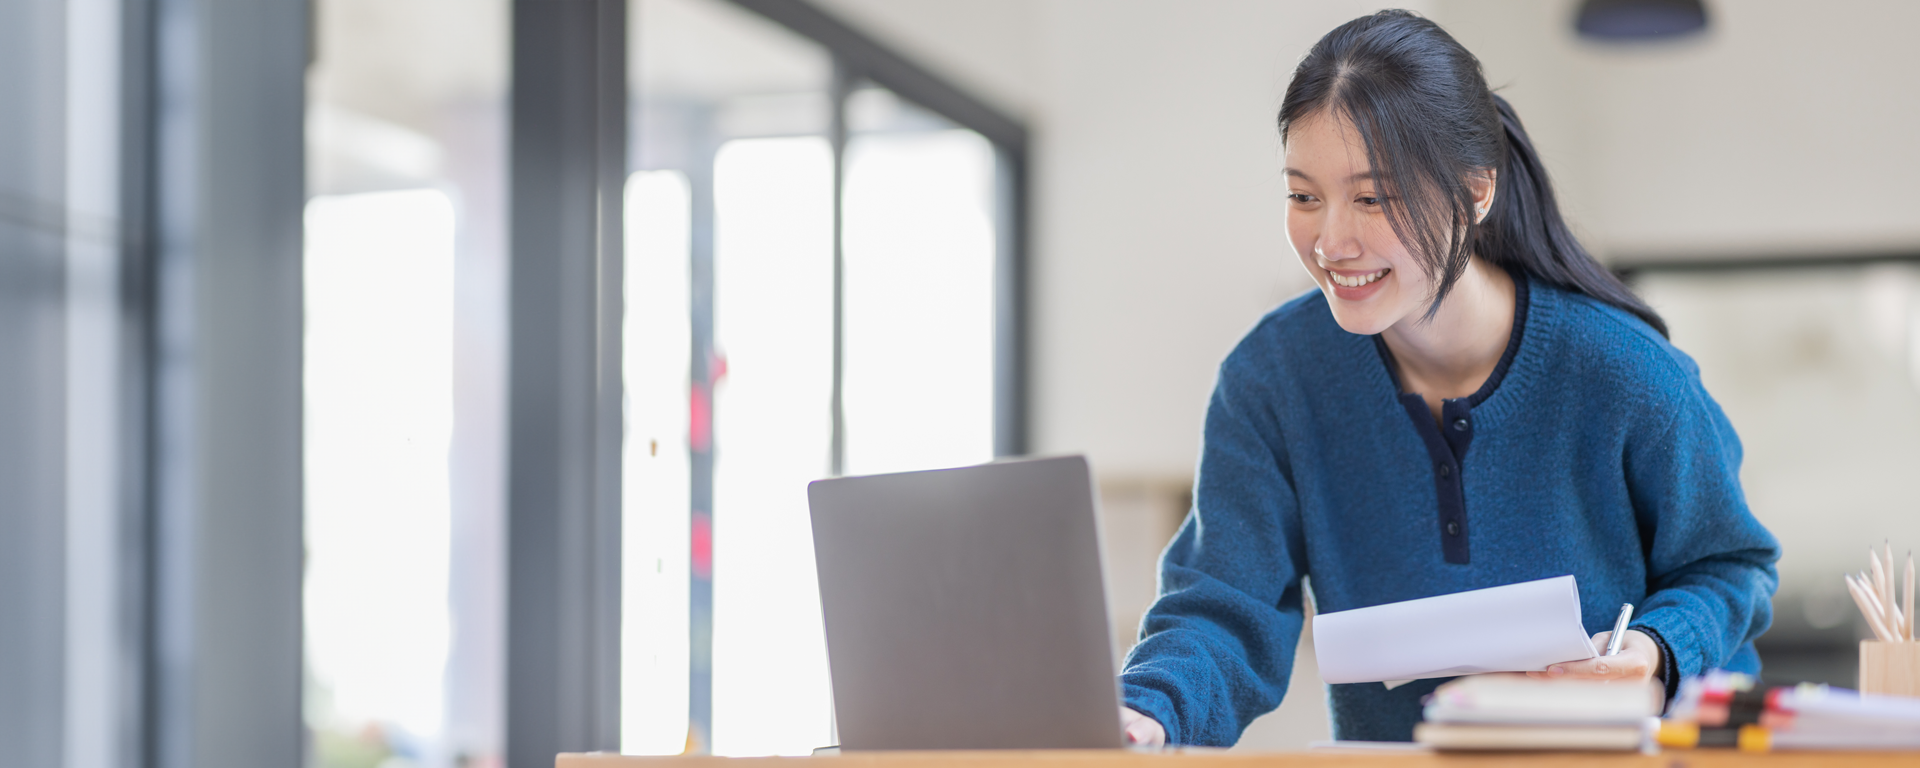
1516 628
1487 712
1818 717
1724 709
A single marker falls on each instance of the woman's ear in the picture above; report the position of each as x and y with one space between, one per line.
1483 185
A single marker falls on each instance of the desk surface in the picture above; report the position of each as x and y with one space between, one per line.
1706 758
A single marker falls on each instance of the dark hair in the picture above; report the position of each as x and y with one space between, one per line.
1421 103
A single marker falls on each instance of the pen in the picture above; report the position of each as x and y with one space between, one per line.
1619 629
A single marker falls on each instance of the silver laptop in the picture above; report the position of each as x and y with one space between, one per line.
964 608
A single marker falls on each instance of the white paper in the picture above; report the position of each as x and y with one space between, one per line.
1516 628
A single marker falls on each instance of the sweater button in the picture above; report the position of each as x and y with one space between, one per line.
1445 470
1453 528
1459 425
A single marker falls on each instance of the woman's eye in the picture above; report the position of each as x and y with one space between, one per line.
1300 197
1364 200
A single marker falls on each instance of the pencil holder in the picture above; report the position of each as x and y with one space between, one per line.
1890 668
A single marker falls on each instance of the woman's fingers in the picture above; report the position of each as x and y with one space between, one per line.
1634 662
1141 729
1621 667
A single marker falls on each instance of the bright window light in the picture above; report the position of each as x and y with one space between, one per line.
379 353
654 561
773 322
919 255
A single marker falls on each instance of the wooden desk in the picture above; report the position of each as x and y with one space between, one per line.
1714 758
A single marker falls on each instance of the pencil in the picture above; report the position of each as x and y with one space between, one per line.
1868 607
1860 599
1909 598
1878 587
1893 606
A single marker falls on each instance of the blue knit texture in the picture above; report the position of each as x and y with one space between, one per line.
1599 454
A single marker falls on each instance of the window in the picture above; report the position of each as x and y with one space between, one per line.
919 307
405 314
850 294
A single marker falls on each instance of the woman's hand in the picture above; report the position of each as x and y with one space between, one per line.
1639 659
1141 729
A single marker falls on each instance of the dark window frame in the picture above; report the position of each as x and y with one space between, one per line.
858 57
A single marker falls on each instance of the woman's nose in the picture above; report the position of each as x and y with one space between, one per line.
1336 242
1335 251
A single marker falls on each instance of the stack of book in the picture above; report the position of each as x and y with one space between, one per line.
1516 712
1726 709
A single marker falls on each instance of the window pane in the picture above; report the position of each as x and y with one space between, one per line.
773 323
34 72
658 337
737 107
405 308
378 423
919 257
99 725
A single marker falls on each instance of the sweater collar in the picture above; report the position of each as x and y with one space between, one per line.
1514 336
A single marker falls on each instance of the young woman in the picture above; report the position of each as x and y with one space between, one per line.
1468 401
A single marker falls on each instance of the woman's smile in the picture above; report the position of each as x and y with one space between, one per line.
1355 285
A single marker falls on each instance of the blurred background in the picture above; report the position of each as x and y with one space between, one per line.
435 382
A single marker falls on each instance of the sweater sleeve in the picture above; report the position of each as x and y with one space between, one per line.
1710 564
1216 648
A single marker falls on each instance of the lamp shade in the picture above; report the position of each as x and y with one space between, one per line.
1625 20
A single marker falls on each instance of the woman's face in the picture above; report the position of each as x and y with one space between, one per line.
1340 231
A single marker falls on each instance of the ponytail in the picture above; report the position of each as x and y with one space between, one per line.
1419 101
1524 229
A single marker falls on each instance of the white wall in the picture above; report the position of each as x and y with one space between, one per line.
1788 129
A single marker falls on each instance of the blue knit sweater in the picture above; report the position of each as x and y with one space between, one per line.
1593 450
